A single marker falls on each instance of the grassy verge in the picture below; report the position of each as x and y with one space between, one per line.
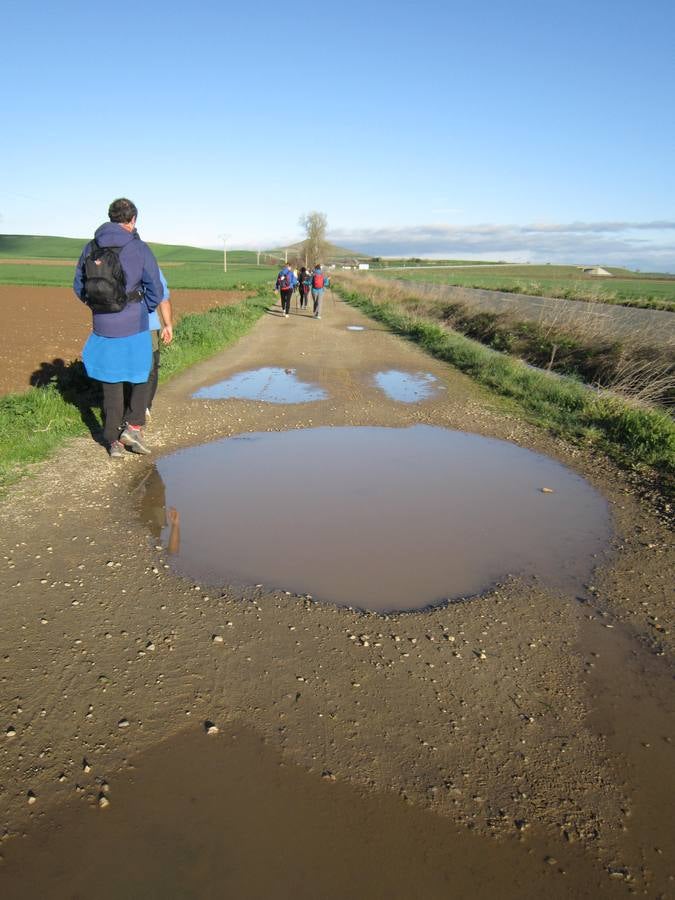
630 435
34 424
565 340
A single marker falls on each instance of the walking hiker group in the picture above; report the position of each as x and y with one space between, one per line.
304 282
119 279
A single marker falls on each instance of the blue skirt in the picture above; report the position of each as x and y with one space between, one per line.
118 359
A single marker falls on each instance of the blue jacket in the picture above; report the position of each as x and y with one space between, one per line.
292 281
153 320
141 271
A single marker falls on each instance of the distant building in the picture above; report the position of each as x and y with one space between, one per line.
597 270
364 266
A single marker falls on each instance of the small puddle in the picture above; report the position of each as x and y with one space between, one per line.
407 387
224 817
355 328
272 385
381 519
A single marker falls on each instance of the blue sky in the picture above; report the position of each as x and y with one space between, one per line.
523 130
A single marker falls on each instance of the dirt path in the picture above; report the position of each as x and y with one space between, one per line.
558 743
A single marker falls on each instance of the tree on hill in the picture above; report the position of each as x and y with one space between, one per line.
315 244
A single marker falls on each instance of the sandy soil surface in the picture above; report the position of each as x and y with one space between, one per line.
553 744
41 325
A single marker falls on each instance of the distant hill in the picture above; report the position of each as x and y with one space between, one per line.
37 246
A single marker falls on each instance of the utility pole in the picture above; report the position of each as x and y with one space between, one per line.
224 238
286 255
258 259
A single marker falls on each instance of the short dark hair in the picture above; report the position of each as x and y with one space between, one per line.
122 210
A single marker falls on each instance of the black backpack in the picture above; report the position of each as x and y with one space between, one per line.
105 287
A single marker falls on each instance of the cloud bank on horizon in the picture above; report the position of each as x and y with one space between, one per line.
643 245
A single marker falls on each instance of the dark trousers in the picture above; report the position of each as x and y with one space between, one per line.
152 380
286 294
115 412
304 295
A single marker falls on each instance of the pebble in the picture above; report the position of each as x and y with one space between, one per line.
217 639
11 732
103 801
31 798
123 723
210 728
547 490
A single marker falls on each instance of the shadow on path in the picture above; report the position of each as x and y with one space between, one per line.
76 388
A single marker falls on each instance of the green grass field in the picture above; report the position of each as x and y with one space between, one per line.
197 276
184 267
625 287
377 262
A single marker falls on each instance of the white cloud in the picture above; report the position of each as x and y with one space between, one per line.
633 244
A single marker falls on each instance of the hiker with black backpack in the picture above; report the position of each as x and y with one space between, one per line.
117 276
286 281
305 279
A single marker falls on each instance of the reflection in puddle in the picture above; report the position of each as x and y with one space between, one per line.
377 518
406 387
273 385
355 328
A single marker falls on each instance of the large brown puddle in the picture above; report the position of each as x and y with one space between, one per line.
222 817
381 519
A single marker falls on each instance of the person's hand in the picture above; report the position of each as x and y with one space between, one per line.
173 516
167 334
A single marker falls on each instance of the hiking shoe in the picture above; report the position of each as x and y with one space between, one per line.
116 450
133 439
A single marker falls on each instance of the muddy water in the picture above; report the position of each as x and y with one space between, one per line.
222 816
632 704
270 384
407 387
381 519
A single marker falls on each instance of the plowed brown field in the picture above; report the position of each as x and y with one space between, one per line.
42 324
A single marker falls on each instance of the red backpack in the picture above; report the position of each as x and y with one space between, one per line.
317 280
